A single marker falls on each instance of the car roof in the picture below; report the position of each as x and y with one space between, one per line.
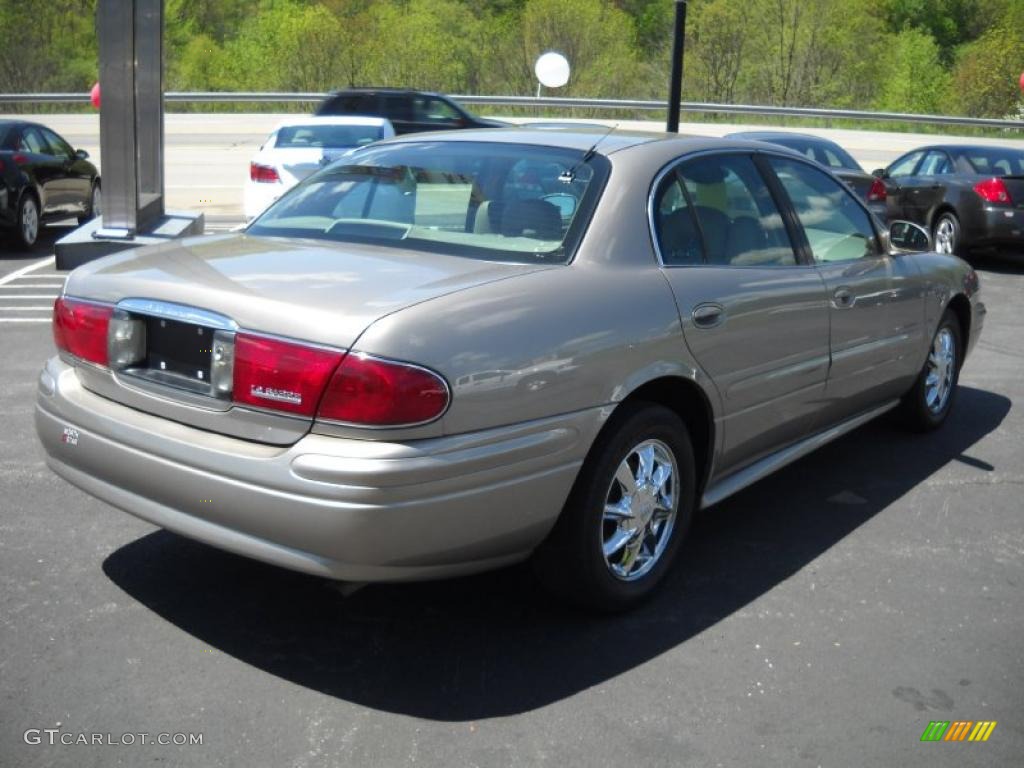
383 89
773 135
965 147
333 120
586 137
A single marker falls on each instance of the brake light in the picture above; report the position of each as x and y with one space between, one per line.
993 191
20 159
263 173
80 329
281 375
878 192
368 391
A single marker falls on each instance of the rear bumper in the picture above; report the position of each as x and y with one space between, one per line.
356 510
998 226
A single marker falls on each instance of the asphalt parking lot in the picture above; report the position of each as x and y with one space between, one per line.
820 618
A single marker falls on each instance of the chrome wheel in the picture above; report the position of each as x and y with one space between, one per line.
640 510
938 381
945 235
29 221
97 201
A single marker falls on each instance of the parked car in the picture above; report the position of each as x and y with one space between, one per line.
301 145
967 196
42 179
339 388
408 111
829 154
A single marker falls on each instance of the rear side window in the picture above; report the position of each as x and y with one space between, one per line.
837 227
738 217
32 141
935 164
350 104
675 227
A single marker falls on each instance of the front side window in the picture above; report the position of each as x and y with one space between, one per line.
905 165
837 228
502 202
738 217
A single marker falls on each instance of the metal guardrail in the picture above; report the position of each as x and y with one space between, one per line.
242 97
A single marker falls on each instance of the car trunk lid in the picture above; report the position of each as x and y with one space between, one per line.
190 293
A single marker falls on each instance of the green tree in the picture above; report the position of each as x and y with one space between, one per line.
915 80
985 80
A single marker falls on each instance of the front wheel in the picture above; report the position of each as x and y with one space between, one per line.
94 206
929 401
627 513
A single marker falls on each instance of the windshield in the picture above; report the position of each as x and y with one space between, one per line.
330 136
996 160
500 202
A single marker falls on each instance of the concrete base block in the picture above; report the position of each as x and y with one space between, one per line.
87 243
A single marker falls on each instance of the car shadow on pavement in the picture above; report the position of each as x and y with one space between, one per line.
493 645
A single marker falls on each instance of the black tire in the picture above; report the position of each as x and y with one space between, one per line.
91 209
571 562
26 234
917 412
947 226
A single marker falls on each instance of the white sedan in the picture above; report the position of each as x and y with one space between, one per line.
301 146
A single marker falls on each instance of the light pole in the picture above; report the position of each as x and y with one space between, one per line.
675 88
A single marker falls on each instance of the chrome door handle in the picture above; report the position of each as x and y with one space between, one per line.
843 298
708 315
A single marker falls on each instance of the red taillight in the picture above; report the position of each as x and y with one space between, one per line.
263 173
380 393
20 159
877 193
281 375
80 329
1 166
993 191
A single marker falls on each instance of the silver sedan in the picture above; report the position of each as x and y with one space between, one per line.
445 354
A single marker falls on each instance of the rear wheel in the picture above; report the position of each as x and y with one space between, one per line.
94 207
27 230
627 514
929 401
946 234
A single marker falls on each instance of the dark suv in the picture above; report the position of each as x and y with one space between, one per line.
408 111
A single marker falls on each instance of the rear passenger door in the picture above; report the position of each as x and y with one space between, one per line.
754 317
876 306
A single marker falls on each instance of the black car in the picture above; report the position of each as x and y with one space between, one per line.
833 157
408 111
967 196
42 179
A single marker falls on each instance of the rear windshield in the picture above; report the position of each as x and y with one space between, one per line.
499 202
330 136
4 130
829 155
996 160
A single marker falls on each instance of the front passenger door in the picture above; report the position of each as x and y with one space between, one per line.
876 307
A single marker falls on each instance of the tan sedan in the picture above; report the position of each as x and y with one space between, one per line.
445 354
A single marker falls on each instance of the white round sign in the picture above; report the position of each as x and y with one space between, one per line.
552 69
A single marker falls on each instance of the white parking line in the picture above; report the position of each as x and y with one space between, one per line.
25 319
25 270
24 296
24 286
24 309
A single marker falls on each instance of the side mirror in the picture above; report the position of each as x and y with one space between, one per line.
907 237
81 154
880 173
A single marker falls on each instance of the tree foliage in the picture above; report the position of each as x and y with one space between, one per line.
945 56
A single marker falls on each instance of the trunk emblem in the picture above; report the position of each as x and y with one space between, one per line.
277 395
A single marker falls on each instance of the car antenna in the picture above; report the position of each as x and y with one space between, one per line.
567 177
